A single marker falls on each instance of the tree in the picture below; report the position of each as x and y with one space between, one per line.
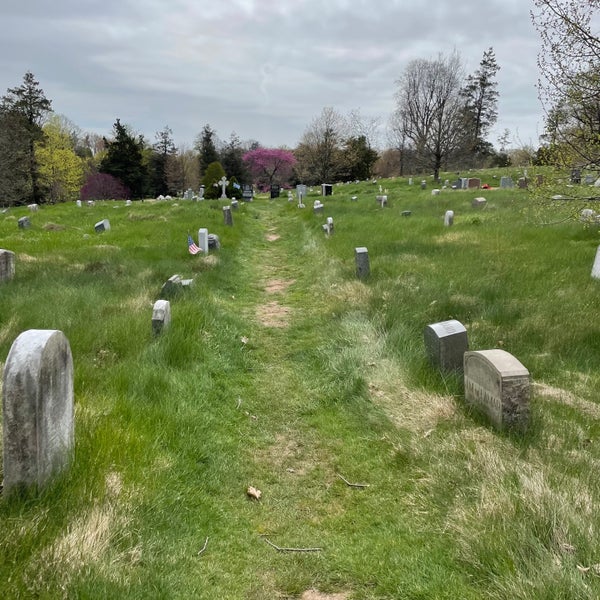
102 186
357 158
481 104
161 150
207 148
213 174
431 109
60 169
569 87
232 158
124 160
15 180
270 165
29 107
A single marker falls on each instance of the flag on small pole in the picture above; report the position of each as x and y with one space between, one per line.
192 246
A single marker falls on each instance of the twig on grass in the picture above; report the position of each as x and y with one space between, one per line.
279 549
203 547
355 485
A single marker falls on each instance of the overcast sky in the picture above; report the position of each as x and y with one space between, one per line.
261 68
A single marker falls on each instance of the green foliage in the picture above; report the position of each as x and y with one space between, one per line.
206 148
214 172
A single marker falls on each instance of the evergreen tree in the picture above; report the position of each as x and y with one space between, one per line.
206 148
162 149
231 159
124 160
214 172
25 107
481 103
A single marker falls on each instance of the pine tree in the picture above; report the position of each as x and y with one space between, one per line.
162 149
207 149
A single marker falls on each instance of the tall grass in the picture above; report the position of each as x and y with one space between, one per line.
284 372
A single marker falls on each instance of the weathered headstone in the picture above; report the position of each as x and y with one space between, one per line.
326 189
406 213
227 216
33 207
423 184
473 183
247 192
301 191
449 218
596 267
161 316
355 198
382 200
223 182
128 202
587 215
540 179
78 203
213 241
328 226
203 239
410 181
478 202
498 385
506 182
445 344
317 207
91 203
201 193
7 265
589 179
171 287
37 404
275 190
234 204
435 192
101 226
24 223
523 183
464 183
361 256
575 175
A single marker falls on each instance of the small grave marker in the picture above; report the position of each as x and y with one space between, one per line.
498 385
7 265
37 404
506 182
24 223
171 288
326 189
203 239
596 267
361 256
406 213
473 183
227 216
33 207
445 344
449 218
479 202
213 241
161 316
101 226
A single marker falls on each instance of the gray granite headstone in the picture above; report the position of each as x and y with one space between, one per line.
213 241
478 202
227 216
381 200
24 223
361 256
37 404
449 218
203 239
234 204
596 267
498 385
7 265
101 226
445 344
506 182
171 287
161 316
523 183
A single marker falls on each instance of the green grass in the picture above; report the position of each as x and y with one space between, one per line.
282 371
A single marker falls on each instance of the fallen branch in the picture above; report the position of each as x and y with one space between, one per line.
292 549
355 485
203 547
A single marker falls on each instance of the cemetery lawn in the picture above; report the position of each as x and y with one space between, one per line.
283 372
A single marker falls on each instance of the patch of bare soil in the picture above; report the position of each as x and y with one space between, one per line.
275 286
273 314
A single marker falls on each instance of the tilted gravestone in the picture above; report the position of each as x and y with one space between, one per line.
24 223
101 226
37 404
7 265
172 287
161 316
498 385
361 257
445 344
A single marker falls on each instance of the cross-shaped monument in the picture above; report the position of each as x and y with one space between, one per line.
223 183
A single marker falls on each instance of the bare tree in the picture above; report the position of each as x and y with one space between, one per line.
431 109
569 87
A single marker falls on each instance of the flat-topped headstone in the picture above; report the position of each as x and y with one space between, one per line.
275 190
449 218
33 207
498 385
128 202
171 287
473 183
478 202
227 216
7 265
435 192
203 239
37 404
78 203
247 192
506 182
24 223
161 316
523 183
596 267
361 257
382 200
326 189
101 226
445 344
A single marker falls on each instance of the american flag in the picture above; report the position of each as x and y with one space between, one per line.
192 246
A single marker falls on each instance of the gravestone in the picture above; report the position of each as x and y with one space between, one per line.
227 216
223 182
478 202
247 192
128 202
317 207
523 183
587 215
506 182
464 183
423 184
596 266
275 190
33 207
203 239
161 316
201 193
7 265
456 185
24 223
290 196
540 179
234 204
435 192
449 218
382 200
91 203
213 241
361 257
301 191
37 404
101 226
326 189
410 181
575 175
406 213
498 385
328 226
589 179
445 344
473 183
171 287
78 203
354 198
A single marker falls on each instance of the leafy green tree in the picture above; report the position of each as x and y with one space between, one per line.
206 148
214 172
29 107
124 160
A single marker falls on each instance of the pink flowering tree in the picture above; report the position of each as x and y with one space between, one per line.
270 165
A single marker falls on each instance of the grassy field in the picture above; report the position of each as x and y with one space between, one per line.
284 372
